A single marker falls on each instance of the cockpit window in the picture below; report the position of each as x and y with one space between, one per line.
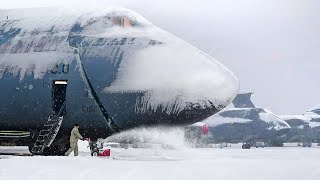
123 22
116 21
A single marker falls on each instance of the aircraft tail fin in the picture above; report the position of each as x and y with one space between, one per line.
243 100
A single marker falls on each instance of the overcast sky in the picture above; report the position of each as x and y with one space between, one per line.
273 46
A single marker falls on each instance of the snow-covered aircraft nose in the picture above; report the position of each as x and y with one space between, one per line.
177 80
144 75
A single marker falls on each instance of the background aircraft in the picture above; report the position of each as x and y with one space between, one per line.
310 118
304 127
247 123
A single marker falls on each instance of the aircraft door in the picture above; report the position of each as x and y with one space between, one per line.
59 89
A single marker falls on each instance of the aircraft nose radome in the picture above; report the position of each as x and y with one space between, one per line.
176 76
215 81
180 76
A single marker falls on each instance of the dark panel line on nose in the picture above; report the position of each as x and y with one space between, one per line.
103 110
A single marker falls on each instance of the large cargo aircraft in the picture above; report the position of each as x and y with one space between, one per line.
107 69
309 119
246 123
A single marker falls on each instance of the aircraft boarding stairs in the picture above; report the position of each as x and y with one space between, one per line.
49 131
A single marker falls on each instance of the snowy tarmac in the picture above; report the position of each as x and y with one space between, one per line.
225 164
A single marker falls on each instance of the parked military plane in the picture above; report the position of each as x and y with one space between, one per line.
245 122
107 69
310 118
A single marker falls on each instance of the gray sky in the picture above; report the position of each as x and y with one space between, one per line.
273 46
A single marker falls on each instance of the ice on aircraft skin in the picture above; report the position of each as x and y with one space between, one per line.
140 74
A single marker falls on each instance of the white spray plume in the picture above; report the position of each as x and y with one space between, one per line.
167 137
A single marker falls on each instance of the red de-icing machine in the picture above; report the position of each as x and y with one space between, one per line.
106 153
96 149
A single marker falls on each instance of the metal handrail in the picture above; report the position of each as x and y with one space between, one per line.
61 109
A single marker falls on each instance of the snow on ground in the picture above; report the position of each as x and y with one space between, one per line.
225 164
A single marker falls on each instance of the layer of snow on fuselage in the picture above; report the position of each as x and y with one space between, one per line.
36 23
200 124
307 118
173 74
178 73
215 120
300 117
59 19
265 116
36 64
271 118
314 108
314 124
